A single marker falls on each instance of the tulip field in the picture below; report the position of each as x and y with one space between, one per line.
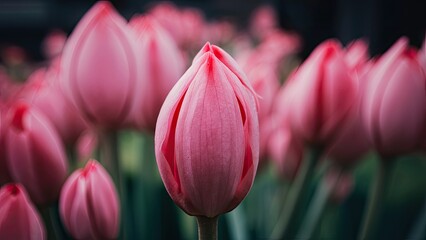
172 125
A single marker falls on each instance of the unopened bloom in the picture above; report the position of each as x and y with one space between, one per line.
394 105
321 94
207 136
19 219
99 67
89 205
161 65
35 154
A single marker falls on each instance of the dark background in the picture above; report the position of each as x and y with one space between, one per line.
26 22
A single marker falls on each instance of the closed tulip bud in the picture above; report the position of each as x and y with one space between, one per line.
207 136
99 67
35 154
161 64
394 105
89 205
322 94
18 218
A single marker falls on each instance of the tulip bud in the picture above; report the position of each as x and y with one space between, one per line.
99 67
322 94
394 106
89 205
18 218
161 64
36 156
207 136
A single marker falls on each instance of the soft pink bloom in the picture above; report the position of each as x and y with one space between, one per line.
89 204
43 92
99 68
161 65
86 145
421 56
54 43
35 154
19 219
263 21
207 136
356 54
320 95
394 104
285 151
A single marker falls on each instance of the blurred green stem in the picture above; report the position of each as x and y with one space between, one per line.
237 223
375 201
207 228
53 224
316 208
109 157
419 229
294 198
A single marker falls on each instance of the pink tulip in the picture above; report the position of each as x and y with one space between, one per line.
35 155
263 20
321 95
99 66
19 219
86 145
161 64
89 205
421 56
356 54
342 184
286 152
54 43
207 136
394 106
43 92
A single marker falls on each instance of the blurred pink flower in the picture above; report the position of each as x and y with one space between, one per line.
19 219
35 154
161 65
321 94
394 105
99 69
89 204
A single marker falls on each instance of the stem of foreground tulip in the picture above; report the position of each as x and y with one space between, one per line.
109 157
54 228
317 207
295 196
377 193
207 228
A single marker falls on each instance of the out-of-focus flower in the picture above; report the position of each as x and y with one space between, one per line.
394 104
184 25
54 43
321 94
263 21
43 92
19 219
285 151
161 64
207 136
99 69
35 154
89 204
86 145
356 54
342 185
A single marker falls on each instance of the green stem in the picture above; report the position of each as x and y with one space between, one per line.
294 198
237 223
419 229
51 219
109 156
375 201
317 207
207 228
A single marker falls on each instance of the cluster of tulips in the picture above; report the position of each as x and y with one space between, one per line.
216 118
